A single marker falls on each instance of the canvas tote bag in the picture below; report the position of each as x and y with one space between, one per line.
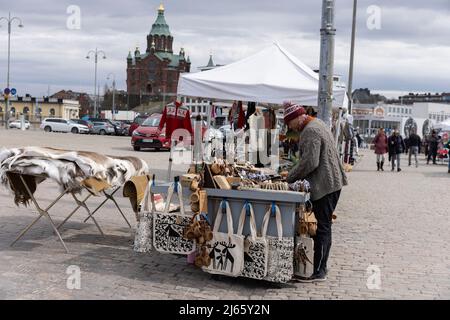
144 231
168 228
255 248
280 267
226 250
304 256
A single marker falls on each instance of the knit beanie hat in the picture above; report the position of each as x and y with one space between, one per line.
292 111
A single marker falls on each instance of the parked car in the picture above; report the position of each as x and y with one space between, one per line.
136 123
86 123
103 128
18 124
145 136
122 128
63 125
117 129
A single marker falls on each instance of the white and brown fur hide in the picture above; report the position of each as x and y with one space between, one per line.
67 168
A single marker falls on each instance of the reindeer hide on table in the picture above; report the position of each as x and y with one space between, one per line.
67 168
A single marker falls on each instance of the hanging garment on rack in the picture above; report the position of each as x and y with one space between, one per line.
251 109
236 117
257 140
175 117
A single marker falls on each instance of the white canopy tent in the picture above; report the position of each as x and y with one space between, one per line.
272 75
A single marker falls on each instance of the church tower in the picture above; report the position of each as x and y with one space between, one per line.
160 34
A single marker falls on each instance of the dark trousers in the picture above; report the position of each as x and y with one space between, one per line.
432 153
323 210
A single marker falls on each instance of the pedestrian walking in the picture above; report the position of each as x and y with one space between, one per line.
320 164
433 143
381 148
396 148
414 147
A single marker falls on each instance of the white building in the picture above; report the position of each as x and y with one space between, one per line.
422 116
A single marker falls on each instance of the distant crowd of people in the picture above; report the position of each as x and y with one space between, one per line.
395 145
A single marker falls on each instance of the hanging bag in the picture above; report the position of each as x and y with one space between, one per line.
280 267
144 230
168 228
304 256
226 250
255 248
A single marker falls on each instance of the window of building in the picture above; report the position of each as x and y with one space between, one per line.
52 112
26 110
13 111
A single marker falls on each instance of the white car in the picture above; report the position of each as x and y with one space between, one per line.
63 125
18 124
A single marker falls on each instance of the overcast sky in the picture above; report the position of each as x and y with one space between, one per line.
410 51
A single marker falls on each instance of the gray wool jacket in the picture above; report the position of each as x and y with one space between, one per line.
319 161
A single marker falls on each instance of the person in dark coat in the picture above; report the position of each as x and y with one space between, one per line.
414 147
396 148
381 148
433 143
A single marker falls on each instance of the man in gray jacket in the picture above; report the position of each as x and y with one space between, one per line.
319 163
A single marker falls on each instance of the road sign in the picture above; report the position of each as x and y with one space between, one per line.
6 91
13 91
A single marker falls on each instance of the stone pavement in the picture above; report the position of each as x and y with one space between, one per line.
392 227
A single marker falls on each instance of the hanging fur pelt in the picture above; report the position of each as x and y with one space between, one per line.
67 168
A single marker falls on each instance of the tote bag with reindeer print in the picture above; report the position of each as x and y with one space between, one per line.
168 228
226 250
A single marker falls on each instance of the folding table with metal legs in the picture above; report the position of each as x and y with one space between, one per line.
79 205
42 212
108 196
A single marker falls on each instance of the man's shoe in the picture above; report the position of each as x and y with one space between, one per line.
398 170
314 278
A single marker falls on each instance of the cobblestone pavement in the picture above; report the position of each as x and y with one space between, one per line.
396 223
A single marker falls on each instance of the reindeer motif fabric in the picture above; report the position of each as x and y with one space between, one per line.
304 256
168 227
280 266
255 248
226 250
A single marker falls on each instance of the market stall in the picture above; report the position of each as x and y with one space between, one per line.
242 219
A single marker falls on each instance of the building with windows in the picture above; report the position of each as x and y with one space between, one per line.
370 117
36 109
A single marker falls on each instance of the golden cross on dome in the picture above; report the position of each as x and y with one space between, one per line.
161 7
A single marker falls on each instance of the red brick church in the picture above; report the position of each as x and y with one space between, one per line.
155 73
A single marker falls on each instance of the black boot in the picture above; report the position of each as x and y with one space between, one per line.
378 166
381 165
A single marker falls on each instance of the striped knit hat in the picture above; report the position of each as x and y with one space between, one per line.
292 111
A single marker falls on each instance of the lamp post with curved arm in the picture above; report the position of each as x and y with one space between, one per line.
9 20
95 53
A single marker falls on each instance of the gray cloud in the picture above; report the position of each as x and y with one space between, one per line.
409 52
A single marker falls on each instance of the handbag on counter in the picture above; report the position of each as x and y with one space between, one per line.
280 267
226 250
255 248
144 231
168 228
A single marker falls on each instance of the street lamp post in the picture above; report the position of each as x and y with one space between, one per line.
9 20
95 54
352 55
114 95
327 34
